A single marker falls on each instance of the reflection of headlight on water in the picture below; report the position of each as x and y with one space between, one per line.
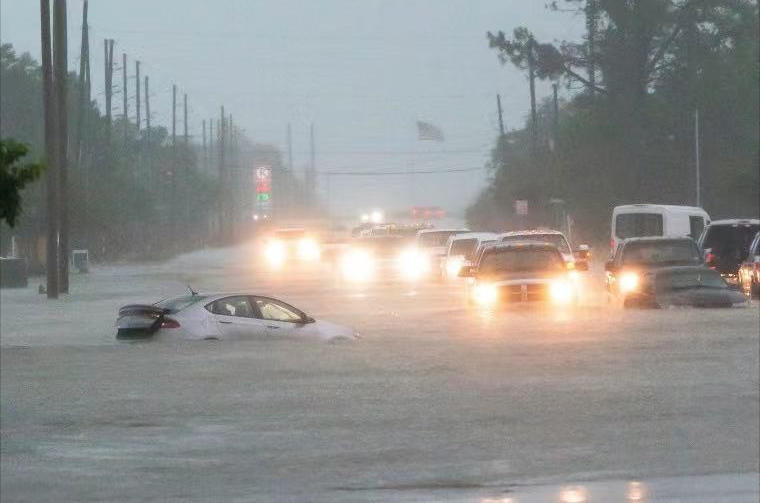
275 253
629 282
357 265
485 294
453 265
562 292
413 264
308 249
575 494
637 492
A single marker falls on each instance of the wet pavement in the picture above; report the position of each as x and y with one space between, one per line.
436 402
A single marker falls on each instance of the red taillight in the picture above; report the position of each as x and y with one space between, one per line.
710 259
169 323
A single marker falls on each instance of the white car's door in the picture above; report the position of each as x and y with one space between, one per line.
280 319
236 318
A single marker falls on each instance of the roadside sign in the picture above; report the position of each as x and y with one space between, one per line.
521 207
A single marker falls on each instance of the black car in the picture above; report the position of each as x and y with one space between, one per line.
694 286
637 257
726 244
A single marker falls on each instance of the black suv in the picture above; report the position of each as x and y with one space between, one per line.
725 244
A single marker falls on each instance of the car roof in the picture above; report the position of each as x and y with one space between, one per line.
430 231
523 245
531 232
654 239
735 221
473 235
663 207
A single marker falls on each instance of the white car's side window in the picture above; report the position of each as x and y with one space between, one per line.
277 311
239 306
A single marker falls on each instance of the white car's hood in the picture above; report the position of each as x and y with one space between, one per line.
328 331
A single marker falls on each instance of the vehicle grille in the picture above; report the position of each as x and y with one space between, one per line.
525 293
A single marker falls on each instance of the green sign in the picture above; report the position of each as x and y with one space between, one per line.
262 197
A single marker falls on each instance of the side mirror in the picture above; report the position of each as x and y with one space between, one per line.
609 266
466 271
306 319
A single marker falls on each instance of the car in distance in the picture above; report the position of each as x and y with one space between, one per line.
556 238
636 257
749 273
461 249
726 243
520 273
285 244
223 316
694 286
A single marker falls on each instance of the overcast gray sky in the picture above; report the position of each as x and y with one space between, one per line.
362 70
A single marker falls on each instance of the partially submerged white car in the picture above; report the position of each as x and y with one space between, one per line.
223 316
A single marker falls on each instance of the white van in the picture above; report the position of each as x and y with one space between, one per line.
646 220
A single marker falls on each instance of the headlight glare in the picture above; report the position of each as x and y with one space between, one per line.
562 292
485 294
629 282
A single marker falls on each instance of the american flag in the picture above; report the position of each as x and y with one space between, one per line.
426 131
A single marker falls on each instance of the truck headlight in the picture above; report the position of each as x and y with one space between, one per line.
562 292
629 282
485 294
453 265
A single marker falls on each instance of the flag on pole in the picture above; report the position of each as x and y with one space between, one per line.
426 131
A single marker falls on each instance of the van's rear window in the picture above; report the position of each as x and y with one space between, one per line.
635 225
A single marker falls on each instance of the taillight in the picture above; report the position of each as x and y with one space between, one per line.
612 246
710 259
169 323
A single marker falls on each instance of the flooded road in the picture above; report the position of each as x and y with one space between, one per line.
436 402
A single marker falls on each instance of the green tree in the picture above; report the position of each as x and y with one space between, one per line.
14 176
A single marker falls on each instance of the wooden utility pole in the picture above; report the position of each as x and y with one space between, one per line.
61 84
108 46
174 114
147 108
84 87
51 152
137 94
205 151
210 140
533 112
124 92
501 116
184 122
223 222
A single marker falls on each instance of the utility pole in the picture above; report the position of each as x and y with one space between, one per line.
185 118
147 108
108 45
223 180
51 152
137 94
205 152
61 83
533 112
592 19
555 132
174 114
124 92
210 140
501 116
696 156
84 85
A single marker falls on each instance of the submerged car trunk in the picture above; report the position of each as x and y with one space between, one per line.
139 321
700 297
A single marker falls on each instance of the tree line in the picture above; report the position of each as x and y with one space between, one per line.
645 77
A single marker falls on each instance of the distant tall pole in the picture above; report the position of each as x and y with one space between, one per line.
174 114
137 94
223 224
124 93
501 115
61 83
533 111
184 122
108 46
555 133
210 140
84 62
51 152
147 108
205 151
696 156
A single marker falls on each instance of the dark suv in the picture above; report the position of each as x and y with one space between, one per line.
726 244
636 259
